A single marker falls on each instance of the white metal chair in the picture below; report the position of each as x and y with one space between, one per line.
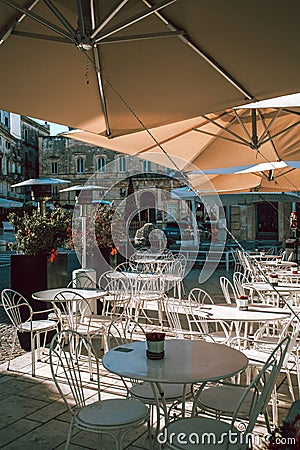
114 417
17 307
146 291
172 275
249 402
236 259
83 282
74 312
183 324
118 295
239 278
126 267
199 297
218 330
228 290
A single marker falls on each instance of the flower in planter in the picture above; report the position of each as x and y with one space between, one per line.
41 233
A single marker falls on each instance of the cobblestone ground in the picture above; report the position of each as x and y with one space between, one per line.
5 327
6 339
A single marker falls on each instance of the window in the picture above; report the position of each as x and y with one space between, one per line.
101 164
267 220
1 163
13 167
122 164
7 144
26 135
147 166
6 122
80 165
54 167
54 191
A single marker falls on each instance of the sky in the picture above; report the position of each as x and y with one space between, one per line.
55 128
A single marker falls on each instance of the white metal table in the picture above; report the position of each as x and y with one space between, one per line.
231 313
92 295
185 362
256 313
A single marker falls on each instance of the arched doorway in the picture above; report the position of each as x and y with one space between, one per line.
147 207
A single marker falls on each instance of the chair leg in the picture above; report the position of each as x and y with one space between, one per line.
32 354
38 345
12 347
290 385
69 435
274 407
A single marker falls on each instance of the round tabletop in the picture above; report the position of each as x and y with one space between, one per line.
264 286
153 261
278 264
132 275
231 313
185 361
48 295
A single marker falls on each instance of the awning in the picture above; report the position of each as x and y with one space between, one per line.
6 203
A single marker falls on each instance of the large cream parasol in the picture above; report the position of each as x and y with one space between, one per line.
118 66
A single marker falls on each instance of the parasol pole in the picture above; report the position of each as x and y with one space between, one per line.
83 211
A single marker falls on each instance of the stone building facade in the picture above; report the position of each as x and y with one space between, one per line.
28 151
80 163
18 151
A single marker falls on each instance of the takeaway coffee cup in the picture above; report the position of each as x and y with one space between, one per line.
242 302
155 345
273 279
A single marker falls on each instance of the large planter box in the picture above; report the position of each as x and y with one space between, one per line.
35 273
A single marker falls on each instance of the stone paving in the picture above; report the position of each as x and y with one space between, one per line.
32 414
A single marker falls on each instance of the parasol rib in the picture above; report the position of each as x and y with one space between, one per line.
107 19
97 65
141 37
10 28
204 55
41 36
38 18
60 16
132 20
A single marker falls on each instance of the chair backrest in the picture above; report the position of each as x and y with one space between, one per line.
182 258
261 389
72 310
123 330
118 295
183 322
66 351
114 281
105 279
199 297
82 282
228 290
239 278
16 306
174 310
201 326
126 267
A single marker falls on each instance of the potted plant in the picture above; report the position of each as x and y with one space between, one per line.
38 264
